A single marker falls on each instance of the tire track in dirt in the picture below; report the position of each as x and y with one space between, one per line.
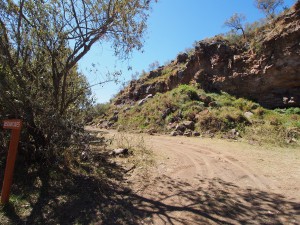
245 170
190 164
210 164
259 180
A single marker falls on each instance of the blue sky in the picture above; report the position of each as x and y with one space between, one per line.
173 26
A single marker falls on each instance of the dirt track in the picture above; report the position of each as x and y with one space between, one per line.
210 181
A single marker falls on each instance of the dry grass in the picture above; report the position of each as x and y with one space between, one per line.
141 153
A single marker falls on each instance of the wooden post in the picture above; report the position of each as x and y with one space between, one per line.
15 126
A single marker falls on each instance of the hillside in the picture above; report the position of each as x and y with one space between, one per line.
226 86
264 69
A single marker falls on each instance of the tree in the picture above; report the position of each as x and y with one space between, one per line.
153 66
268 7
236 22
41 43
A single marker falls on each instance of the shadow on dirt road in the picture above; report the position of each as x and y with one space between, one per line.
83 200
214 202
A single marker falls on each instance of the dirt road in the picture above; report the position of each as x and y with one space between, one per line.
211 181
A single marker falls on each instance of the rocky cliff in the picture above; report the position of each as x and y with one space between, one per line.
268 74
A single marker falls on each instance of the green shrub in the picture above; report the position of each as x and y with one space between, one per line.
265 126
186 93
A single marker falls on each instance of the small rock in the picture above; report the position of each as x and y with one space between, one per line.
84 156
189 125
187 133
232 134
291 140
119 151
141 102
114 118
153 74
180 74
151 131
212 104
205 99
180 133
180 127
248 115
196 134
291 101
171 126
126 109
174 133
110 124
149 96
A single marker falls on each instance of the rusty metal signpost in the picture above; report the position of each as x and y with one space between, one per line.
14 125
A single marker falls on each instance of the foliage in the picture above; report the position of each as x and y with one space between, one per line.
97 178
186 103
289 111
98 110
41 43
236 22
268 7
143 155
153 66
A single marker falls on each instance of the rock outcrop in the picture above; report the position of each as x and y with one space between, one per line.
270 76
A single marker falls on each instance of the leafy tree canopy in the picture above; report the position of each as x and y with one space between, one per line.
268 7
236 22
41 43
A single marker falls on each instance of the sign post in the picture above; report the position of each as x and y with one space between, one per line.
14 125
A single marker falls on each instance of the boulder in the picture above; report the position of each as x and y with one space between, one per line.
182 58
196 134
171 126
119 151
179 132
189 125
114 118
232 134
180 127
103 124
174 133
248 115
154 73
187 133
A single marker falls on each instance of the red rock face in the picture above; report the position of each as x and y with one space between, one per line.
267 78
271 78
